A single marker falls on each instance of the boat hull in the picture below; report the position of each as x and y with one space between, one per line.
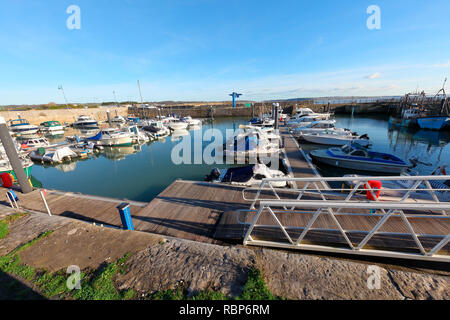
359 165
26 169
333 141
178 126
116 142
434 123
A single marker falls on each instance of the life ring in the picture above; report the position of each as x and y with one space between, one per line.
375 185
7 179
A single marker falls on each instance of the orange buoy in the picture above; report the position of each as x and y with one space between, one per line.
375 185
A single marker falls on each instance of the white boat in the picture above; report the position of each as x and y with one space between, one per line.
85 122
111 137
136 134
59 155
264 122
53 128
34 143
265 132
358 158
178 125
22 127
118 120
191 122
318 127
333 138
250 144
155 129
303 121
307 112
250 176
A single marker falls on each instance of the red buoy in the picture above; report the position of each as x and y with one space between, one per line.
375 185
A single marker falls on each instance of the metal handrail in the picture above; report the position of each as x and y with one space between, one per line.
327 207
358 182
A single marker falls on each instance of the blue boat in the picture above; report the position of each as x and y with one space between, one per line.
434 123
359 158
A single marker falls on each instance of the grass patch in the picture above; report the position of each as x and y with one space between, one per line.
255 288
100 284
4 230
12 264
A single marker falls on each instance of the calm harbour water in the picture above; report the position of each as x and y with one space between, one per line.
141 172
136 173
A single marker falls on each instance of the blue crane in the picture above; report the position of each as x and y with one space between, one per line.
235 95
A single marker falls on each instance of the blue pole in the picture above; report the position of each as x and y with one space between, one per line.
125 216
234 100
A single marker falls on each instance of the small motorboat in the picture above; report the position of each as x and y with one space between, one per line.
333 138
53 128
56 156
191 122
111 137
249 146
156 129
119 120
85 122
359 158
251 175
264 122
22 127
178 125
318 127
136 134
34 143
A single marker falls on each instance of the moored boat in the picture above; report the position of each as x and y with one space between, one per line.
111 137
85 122
359 158
251 175
333 138
22 127
53 128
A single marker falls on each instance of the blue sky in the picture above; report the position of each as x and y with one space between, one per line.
206 49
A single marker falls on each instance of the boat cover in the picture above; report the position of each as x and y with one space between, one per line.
241 174
61 153
97 137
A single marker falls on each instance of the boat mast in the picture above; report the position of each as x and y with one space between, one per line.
140 93
444 101
62 89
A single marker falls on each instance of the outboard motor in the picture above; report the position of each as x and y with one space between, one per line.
365 136
214 175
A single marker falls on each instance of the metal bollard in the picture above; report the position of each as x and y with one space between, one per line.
125 216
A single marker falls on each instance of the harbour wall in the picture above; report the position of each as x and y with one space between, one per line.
36 117
195 112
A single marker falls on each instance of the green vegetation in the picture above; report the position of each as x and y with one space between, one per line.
4 230
11 262
99 284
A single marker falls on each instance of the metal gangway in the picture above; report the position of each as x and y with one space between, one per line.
410 221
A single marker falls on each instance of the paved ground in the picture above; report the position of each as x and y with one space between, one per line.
157 264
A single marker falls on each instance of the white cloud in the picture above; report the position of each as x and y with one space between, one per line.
374 76
442 65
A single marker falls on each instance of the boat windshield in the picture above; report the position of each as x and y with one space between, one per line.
346 149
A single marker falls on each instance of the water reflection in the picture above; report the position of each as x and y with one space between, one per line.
120 153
